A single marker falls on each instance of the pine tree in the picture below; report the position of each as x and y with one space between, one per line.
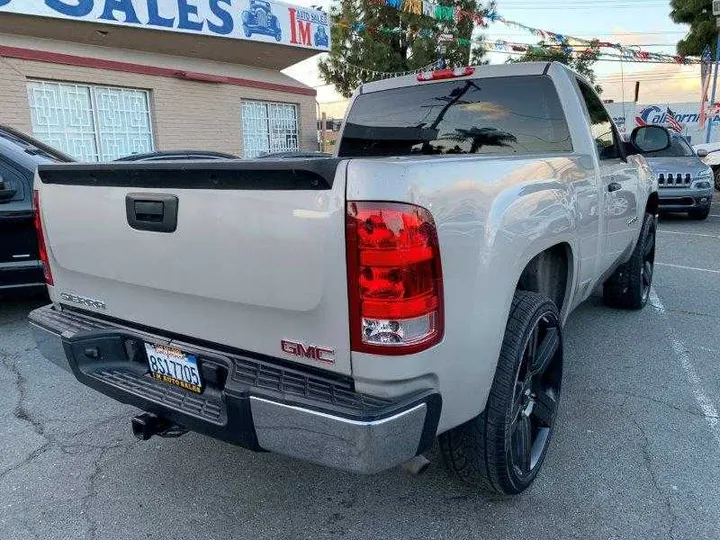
370 37
581 60
703 30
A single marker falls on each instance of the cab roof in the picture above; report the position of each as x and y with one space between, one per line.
494 70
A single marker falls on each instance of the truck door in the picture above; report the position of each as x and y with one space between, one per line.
618 181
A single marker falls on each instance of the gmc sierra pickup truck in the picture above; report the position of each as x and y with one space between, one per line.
350 310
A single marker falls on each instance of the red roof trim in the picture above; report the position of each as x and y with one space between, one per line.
127 67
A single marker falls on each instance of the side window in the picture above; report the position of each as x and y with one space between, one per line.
600 124
12 187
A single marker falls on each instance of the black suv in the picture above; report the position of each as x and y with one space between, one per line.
20 155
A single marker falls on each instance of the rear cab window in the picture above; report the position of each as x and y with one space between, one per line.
498 115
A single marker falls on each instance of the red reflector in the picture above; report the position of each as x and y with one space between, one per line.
445 73
42 249
394 278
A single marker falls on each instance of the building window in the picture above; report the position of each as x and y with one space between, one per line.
91 123
269 127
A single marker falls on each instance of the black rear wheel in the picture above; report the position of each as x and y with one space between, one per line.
629 286
502 450
699 214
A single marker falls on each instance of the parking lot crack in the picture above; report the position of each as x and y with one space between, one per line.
647 460
20 411
28 459
683 410
92 491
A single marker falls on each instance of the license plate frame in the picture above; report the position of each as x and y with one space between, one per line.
173 366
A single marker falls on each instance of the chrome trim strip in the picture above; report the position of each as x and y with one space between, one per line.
23 285
16 265
350 445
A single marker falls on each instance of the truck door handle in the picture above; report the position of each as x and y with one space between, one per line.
614 186
152 212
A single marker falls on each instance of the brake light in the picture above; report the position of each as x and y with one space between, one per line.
450 73
394 278
42 249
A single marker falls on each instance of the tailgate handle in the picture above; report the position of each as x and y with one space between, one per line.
152 212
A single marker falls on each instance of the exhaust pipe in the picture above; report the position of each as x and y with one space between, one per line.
146 425
417 465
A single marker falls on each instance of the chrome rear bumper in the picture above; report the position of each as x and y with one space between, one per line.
374 436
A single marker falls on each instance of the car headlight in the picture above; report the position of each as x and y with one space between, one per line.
707 174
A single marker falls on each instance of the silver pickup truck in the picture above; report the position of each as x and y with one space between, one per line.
350 310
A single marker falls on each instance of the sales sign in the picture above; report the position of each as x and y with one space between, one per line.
255 20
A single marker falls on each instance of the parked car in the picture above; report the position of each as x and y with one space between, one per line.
20 154
710 154
685 181
175 155
349 310
259 19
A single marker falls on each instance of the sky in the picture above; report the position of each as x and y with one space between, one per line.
643 22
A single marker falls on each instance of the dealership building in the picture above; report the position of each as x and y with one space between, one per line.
101 79
629 115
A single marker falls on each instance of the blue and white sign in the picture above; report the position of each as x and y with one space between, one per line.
256 20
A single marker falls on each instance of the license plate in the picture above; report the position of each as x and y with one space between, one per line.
173 366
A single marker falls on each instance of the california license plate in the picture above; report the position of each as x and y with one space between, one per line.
173 366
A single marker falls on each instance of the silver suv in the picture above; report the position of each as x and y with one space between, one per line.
685 182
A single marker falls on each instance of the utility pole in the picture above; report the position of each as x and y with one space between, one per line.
323 131
716 13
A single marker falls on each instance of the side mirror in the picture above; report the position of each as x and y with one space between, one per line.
648 139
702 153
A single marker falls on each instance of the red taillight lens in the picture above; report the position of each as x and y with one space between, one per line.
394 278
42 249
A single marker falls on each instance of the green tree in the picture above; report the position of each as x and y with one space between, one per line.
580 59
703 30
364 38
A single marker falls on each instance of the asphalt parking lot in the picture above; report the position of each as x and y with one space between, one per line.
636 454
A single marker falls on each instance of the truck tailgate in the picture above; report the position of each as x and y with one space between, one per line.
256 256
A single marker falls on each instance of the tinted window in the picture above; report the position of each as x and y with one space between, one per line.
504 115
600 124
678 148
32 146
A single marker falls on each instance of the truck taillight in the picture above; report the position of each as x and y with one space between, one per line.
42 248
394 278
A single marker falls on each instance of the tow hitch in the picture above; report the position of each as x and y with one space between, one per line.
146 425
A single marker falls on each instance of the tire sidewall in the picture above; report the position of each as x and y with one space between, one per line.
649 225
518 482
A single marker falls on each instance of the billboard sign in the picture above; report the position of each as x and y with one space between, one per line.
680 117
255 20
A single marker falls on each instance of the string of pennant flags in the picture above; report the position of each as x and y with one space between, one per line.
375 75
566 43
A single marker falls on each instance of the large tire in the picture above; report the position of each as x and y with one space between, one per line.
699 214
716 170
501 451
629 286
